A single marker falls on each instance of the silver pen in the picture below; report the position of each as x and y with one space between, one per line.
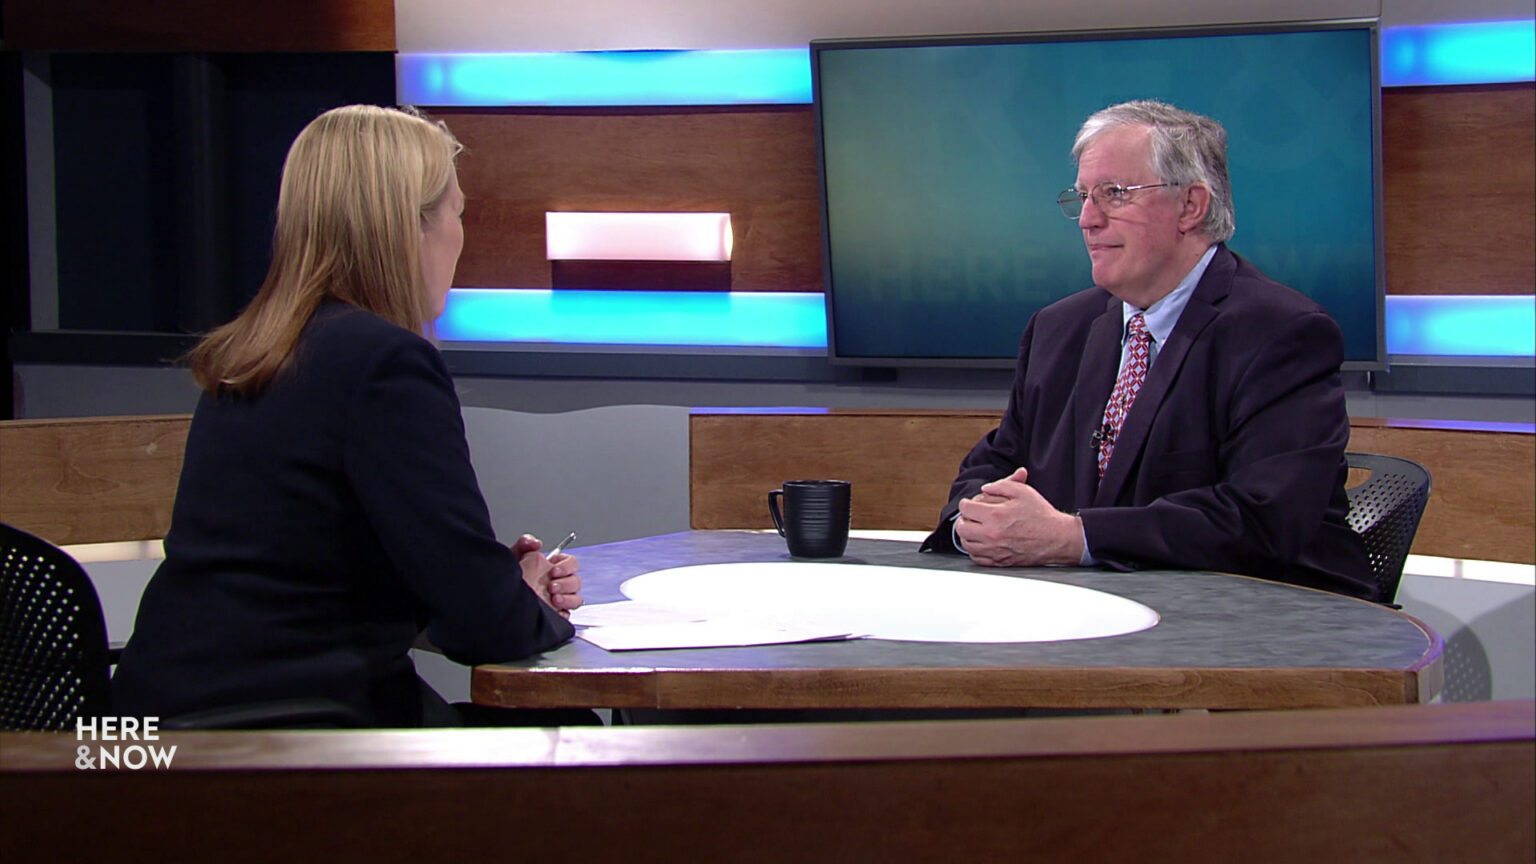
560 547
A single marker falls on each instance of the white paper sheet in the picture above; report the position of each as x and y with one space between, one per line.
719 633
631 613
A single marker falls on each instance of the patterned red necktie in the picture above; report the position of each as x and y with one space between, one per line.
1132 374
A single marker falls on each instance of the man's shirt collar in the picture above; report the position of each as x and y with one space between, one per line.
1162 315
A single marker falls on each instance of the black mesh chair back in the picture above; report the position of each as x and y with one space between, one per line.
53 638
1385 510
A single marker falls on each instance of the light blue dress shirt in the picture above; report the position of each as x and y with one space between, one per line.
1162 315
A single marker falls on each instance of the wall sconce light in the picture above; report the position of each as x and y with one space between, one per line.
638 236
650 251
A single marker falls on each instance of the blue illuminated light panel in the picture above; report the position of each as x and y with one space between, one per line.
741 319
606 78
1467 53
1475 53
1480 326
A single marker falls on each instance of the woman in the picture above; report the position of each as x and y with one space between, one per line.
327 511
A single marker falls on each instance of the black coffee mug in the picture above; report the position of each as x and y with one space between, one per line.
815 519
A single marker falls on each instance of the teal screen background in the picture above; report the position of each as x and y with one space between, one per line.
941 165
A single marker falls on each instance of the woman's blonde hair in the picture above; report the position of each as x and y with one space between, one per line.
358 184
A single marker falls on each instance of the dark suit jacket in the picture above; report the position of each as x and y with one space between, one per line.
1232 456
317 528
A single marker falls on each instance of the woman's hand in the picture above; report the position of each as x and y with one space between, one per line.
555 579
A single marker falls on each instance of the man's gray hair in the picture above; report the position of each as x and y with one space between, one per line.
1186 148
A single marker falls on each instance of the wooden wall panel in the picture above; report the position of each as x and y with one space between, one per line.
200 25
1457 161
759 165
1460 182
1482 504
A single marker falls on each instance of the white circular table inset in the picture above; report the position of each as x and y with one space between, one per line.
900 603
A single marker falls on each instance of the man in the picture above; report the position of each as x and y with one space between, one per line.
1184 413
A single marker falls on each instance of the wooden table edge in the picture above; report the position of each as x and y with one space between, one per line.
957 687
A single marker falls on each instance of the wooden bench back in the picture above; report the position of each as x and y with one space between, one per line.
91 480
1482 504
102 479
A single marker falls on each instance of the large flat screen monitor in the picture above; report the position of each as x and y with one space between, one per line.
941 160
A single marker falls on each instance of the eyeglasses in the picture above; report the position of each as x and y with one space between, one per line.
1106 196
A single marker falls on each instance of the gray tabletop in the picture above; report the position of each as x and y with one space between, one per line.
1263 634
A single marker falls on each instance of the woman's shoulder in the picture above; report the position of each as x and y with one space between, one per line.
338 326
339 319
353 342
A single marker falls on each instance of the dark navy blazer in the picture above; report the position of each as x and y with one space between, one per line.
1232 456
317 529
